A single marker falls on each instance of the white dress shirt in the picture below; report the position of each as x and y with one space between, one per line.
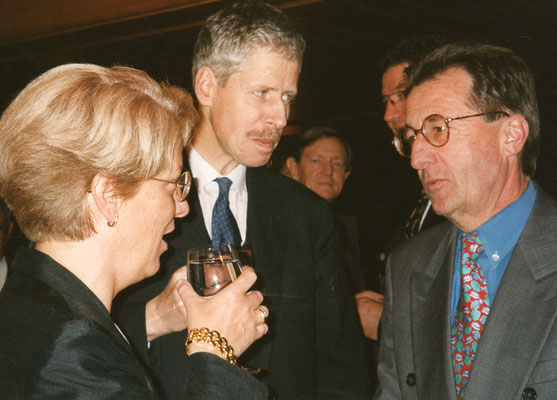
208 191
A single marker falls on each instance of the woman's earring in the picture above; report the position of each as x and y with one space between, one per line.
113 223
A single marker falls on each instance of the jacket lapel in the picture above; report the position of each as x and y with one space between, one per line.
197 231
523 310
266 237
430 294
263 231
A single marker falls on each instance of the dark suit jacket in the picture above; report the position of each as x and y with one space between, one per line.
517 350
314 345
57 341
349 252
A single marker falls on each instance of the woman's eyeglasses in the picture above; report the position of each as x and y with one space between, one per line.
183 185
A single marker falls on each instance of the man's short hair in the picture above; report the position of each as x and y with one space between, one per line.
312 135
412 50
241 27
501 80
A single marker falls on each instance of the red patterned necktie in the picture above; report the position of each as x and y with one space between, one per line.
471 314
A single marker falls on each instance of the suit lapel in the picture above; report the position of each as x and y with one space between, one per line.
266 237
197 231
192 232
264 212
523 310
430 294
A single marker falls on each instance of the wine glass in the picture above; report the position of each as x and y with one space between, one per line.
212 268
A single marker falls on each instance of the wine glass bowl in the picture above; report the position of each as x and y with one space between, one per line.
212 268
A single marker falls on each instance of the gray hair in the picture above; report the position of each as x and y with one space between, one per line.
240 28
501 80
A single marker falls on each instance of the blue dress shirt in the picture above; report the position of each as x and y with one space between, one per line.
498 236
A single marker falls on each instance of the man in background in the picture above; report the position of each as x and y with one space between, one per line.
471 304
245 69
398 60
321 160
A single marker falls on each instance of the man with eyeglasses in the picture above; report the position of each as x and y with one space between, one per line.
397 61
470 304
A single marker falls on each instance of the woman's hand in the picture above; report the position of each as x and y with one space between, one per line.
166 313
233 312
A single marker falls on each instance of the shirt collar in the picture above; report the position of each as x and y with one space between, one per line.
204 173
500 234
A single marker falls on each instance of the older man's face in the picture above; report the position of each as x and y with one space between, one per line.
393 84
322 168
464 178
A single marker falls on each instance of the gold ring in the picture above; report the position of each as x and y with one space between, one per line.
262 316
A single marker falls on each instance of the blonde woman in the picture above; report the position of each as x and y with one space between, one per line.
91 167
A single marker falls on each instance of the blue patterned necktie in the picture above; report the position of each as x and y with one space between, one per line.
471 314
224 226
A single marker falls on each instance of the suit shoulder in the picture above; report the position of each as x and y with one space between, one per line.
283 186
545 205
425 242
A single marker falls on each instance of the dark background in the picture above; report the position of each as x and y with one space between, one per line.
340 80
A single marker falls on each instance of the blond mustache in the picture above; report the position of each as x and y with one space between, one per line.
273 134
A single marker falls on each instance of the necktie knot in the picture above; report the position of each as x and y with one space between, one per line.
472 247
224 185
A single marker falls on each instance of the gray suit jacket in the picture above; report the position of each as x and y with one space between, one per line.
517 354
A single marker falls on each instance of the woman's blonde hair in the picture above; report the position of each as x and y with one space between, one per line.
79 120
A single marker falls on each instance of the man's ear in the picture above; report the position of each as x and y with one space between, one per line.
205 85
516 133
105 203
293 168
347 174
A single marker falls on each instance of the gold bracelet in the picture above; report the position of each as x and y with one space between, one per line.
205 335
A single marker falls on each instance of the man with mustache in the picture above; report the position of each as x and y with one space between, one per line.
471 303
245 69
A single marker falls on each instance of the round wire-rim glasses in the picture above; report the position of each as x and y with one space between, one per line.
435 130
183 185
